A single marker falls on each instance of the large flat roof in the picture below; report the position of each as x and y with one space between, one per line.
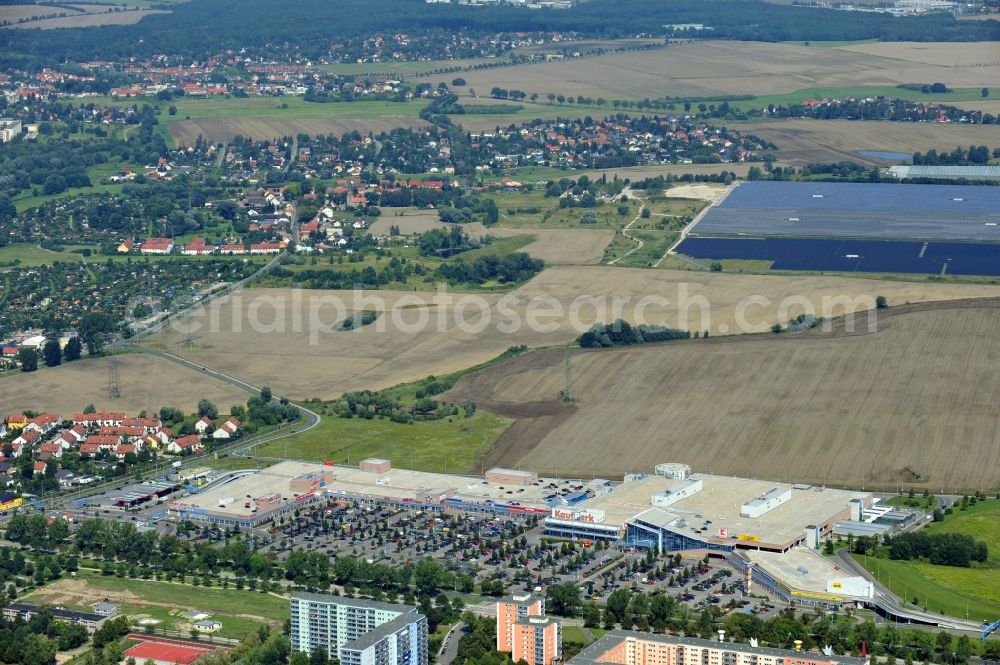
856 210
704 513
800 568
395 484
719 503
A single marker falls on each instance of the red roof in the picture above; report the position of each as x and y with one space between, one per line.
187 441
102 440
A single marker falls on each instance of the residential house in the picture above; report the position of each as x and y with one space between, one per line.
16 421
27 437
102 441
51 449
227 429
103 419
123 449
204 425
191 442
43 423
65 477
157 246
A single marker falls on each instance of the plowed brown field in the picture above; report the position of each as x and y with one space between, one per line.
820 407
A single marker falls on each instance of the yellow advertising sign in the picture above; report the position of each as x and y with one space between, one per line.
747 536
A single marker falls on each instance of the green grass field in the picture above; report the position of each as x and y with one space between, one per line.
240 611
33 256
957 592
449 445
532 209
982 521
498 247
949 589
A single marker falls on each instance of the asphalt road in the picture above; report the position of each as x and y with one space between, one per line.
890 603
449 648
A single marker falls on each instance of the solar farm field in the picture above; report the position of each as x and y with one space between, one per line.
862 210
871 228
851 255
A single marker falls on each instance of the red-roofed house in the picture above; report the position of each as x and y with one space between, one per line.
89 449
103 441
28 436
227 429
99 419
40 467
191 442
53 449
123 449
197 247
157 246
130 433
204 425
16 421
44 423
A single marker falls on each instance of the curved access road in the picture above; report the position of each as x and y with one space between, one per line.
310 418
888 604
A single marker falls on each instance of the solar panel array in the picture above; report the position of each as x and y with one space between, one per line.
853 255
857 210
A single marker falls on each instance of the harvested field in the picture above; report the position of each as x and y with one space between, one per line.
16 12
87 20
186 132
820 407
147 383
412 221
397 348
803 141
937 54
709 68
562 247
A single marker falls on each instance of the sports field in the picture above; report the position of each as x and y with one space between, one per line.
807 406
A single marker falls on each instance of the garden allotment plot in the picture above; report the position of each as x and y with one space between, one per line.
931 229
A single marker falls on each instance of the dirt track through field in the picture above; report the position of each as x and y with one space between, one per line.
827 407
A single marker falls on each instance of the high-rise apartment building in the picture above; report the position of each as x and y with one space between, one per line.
358 631
537 640
626 647
525 632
